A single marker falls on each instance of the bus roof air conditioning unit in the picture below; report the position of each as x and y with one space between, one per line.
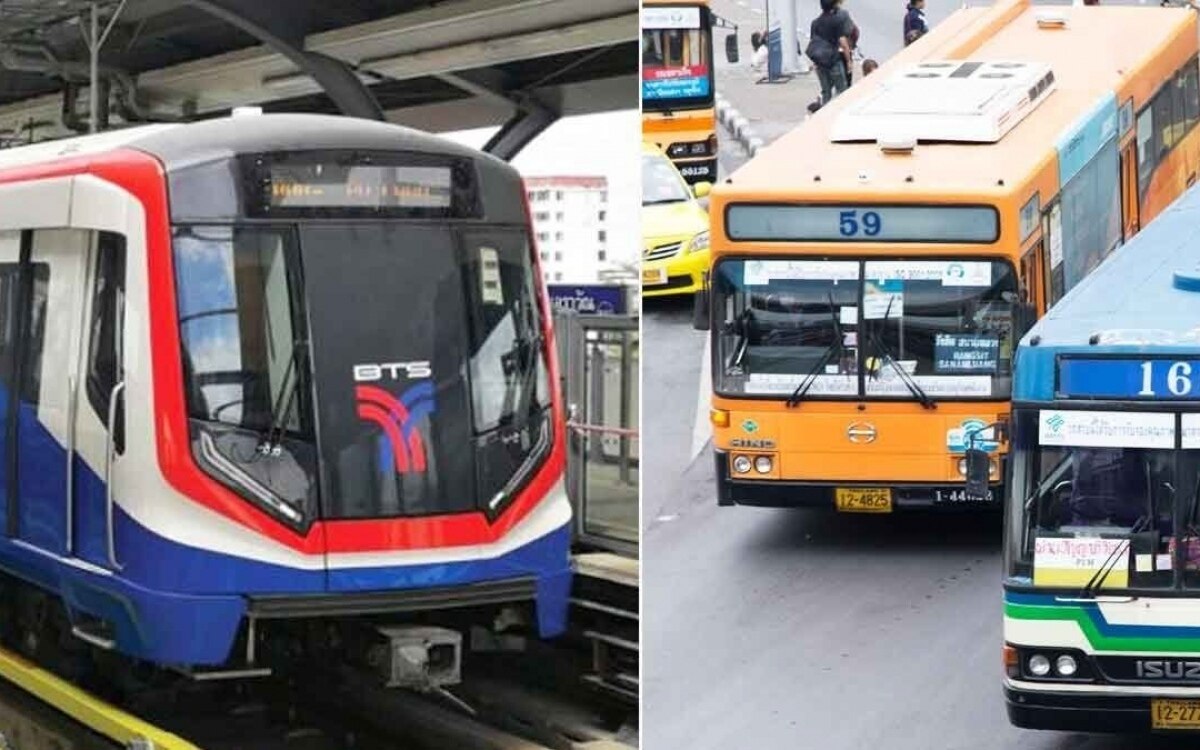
951 101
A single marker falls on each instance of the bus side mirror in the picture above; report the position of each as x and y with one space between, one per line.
979 469
731 48
700 310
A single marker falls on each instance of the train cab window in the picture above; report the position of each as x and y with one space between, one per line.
1147 154
105 344
1191 94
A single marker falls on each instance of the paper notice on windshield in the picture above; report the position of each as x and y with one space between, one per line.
848 316
1064 561
1191 431
1056 238
966 353
1106 429
883 299
786 383
761 272
972 273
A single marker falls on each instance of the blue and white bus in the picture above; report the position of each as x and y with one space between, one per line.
1102 525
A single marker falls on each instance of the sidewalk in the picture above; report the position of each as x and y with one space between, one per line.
771 109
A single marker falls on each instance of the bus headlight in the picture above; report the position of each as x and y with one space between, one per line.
741 464
1065 665
763 464
1039 665
699 242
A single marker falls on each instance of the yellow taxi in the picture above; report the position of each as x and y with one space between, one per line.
674 228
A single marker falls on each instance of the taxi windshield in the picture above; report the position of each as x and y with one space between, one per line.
864 328
661 182
1102 498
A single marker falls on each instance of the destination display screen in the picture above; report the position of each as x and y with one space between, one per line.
862 223
331 185
1132 378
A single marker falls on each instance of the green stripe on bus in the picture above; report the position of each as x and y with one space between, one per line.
1098 640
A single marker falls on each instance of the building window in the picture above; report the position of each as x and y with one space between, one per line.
543 236
602 214
558 216
558 277
541 216
558 236
603 235
558 256
604 196
601 256
558 195
544 255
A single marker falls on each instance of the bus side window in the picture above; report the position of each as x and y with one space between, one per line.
1031 277
1052 268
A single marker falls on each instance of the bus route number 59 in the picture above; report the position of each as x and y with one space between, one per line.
851 224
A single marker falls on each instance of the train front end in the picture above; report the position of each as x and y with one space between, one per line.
353 392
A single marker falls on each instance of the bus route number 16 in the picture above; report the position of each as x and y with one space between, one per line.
850 223
1179 379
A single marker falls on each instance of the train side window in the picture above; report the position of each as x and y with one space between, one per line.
105 339
1163 119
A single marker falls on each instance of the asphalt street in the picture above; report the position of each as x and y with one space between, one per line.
785 629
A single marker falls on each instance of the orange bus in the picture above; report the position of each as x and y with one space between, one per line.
873 269
678 111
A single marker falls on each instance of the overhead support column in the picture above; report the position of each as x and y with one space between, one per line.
282 25
521 128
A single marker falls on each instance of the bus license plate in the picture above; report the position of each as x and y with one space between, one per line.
654 276
1174 714
956 497
866 500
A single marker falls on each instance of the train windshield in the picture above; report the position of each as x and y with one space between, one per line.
354 362
1102 497
853 328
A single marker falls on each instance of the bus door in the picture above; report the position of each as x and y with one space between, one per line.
1129 190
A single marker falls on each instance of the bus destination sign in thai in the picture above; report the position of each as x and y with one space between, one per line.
358 186
862 223
1161 379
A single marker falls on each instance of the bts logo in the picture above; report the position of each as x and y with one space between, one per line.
369 373
401 445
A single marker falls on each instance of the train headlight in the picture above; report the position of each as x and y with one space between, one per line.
699 242
993 468
962 467
741 464
1039 665
763 464
1065 665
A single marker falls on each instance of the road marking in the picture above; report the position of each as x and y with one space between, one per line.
702 428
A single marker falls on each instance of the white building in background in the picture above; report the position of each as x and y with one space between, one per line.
570 219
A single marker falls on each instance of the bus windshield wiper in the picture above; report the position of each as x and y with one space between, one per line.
1110 563
881 348
837 345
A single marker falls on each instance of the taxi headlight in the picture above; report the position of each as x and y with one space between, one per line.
762 464
699 242
741 464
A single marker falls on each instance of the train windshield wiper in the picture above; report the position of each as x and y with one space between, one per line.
881 348
285 401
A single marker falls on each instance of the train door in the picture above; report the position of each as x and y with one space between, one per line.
11 317
48 376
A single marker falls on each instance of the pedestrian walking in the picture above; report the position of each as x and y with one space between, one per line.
829 48
758 42
914 22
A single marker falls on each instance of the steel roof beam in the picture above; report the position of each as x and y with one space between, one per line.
281 25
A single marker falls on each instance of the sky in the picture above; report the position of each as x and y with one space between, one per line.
605 145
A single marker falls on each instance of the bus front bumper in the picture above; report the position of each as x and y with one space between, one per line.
783 493
1077 711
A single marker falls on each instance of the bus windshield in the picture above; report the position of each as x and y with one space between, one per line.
677 68
865 328
1102 491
